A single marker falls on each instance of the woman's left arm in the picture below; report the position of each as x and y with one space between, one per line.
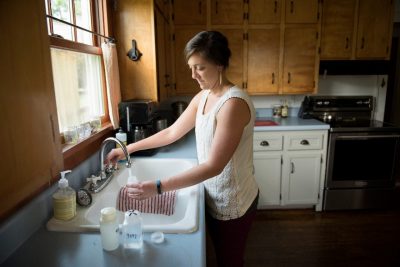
233 116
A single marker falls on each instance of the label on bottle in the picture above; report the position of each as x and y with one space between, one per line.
64 208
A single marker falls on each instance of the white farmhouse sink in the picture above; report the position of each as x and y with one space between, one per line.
184 219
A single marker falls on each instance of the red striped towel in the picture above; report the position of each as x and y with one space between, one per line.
159 204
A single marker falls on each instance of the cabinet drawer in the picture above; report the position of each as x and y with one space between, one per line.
304 142
267 142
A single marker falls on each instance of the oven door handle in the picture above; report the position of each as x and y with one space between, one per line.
364 137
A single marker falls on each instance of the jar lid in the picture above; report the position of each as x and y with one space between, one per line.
108 214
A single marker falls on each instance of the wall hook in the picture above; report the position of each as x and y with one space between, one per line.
134 54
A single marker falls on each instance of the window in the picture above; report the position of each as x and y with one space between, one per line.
76 57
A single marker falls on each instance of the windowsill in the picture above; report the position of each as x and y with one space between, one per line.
77 153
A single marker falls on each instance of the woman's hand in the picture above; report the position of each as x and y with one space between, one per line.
114 155
142 190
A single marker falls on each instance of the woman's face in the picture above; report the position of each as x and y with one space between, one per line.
204 72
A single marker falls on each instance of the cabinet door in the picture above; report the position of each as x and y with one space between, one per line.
337 29
300 61
191 12
227 12
235 69
184 83
162 83
374 29
301 178
301 11
263 60
267 170
31 147
264 11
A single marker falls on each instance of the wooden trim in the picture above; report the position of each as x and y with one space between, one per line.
74 46
76 154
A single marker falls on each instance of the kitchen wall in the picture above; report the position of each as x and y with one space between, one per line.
337 85
328 85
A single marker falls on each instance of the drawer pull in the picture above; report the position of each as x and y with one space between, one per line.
304 142
264 143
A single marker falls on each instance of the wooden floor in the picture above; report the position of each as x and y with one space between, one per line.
306 238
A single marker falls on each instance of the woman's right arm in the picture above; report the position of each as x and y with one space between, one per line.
179 128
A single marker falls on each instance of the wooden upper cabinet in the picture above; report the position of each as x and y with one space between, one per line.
354 29
227 12
235 70
337 29
301 11
264 11
263 61
374 29
163 67
31 148
190 12
300 62
184 83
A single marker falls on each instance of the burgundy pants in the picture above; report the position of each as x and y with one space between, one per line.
229 237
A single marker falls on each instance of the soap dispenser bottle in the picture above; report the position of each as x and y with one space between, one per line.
64 200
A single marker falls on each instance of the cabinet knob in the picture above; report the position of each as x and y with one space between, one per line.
304 142
264 143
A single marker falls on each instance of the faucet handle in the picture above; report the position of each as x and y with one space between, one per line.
93 179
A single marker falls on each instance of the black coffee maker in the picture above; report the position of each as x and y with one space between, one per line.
136 118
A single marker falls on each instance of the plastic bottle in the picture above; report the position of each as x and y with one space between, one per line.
109 228
64 200
132 230
285 110
121 136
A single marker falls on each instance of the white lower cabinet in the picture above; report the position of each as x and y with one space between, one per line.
268 172
301 178
290 175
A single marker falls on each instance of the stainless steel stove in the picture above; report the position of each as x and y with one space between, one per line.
362 152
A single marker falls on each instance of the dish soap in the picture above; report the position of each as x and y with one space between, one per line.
64 200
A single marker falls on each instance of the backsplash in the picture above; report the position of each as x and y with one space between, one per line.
333 85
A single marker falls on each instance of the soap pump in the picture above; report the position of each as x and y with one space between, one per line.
64 200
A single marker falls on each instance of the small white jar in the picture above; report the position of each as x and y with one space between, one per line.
109 228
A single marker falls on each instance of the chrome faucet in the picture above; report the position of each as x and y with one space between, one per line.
105 170
97 183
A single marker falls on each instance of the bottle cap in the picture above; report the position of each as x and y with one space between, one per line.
63 183
131 215
108 214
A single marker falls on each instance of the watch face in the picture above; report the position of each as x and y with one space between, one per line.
83 197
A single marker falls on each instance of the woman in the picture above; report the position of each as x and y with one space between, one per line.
224 118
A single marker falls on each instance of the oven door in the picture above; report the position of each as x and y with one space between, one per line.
362 160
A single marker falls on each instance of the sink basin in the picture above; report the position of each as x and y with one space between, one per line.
184 219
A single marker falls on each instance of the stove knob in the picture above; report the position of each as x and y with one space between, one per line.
327 103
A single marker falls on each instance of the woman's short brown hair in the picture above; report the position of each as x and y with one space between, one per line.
212 45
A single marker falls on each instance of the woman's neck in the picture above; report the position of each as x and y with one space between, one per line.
221 88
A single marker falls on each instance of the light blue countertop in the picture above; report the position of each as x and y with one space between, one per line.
292 124
46 248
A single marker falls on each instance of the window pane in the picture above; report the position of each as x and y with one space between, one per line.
84 20
61 9
78 87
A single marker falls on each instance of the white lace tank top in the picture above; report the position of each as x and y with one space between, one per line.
229 194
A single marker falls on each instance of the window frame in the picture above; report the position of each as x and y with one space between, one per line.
74 154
